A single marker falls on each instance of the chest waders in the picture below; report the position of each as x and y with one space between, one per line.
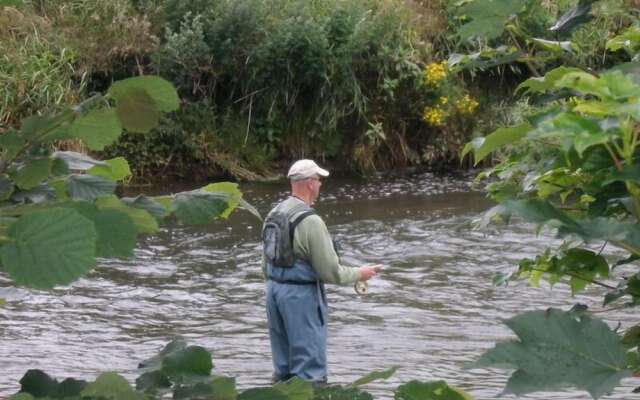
297 318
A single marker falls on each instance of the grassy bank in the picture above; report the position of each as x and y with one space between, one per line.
358 83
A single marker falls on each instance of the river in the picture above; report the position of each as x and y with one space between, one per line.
431 311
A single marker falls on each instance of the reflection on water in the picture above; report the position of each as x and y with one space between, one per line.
431 311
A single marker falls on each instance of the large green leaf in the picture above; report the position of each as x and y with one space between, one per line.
89 187
547 82
11 143
436 390
499 138
115 169
111 386
621 85
155 363
137 112
558 349
116 232
49 247
143 221
296 389
161 91
199 207
33 173
541 212
629 173
98 128
224 388
143 202
153 381
192 360
584 132
488 17
36 126
374 376
232 193
585 83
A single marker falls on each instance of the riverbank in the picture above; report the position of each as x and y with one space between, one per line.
369 85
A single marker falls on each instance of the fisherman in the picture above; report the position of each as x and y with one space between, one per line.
299 258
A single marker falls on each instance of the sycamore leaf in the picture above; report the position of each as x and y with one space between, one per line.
116 232
89 187
11 143
161 91
199 207
98 128
435 390
111 386
547 82
33 173
115 169
143 221
49 247
137 111
296 389
232 193
557 349
142 202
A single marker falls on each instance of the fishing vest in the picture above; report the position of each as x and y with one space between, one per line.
277 234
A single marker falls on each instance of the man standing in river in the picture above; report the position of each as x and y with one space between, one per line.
299 258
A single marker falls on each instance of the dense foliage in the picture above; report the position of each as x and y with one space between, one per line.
185 372
572 164
58 209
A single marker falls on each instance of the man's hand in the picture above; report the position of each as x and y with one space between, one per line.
369 271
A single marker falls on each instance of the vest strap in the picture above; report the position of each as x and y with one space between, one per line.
292 282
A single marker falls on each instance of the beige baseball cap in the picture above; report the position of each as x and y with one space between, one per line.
304 169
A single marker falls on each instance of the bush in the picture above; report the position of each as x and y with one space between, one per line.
309 78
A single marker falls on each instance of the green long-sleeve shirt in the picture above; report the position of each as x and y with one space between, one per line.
312 243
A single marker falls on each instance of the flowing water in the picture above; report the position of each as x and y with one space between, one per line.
431 311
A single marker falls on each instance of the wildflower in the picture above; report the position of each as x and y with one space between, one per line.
467 104
434 116
435 73
443 100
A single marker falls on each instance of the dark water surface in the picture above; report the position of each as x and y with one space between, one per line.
430 312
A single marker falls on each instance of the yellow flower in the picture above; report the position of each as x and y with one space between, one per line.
434 116
443 100
435 73
467 104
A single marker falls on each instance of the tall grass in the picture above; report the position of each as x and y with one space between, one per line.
37 74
